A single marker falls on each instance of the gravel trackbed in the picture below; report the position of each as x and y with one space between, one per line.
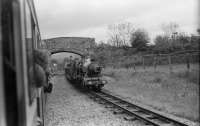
66 106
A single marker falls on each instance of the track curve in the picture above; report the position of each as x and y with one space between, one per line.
135 112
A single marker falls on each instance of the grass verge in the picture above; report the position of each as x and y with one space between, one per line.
176 93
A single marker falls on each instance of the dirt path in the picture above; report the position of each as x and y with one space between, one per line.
68 107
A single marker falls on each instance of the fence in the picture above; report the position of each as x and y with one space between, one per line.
186 58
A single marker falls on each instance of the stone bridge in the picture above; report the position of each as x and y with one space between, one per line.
69 50
78 45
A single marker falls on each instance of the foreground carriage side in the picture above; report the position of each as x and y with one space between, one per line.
22 100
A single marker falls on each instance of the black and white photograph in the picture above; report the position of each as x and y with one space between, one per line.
99 62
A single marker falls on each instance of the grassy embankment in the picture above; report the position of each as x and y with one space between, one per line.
176 93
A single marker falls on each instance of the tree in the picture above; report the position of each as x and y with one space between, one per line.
162 44
119 34
194 42
182 41
139 39
198 30
170 28
175 39
115 40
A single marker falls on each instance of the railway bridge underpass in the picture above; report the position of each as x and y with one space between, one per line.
68 50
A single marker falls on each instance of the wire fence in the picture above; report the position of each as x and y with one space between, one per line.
185 58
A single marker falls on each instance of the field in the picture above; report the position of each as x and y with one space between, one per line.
175 93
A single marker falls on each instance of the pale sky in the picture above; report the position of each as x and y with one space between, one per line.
90 18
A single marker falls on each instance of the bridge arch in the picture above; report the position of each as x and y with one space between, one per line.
70 50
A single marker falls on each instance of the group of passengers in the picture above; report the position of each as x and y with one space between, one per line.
42 72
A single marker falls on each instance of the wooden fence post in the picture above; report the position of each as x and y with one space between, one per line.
170 63
143 63
155 62
188 61
134 66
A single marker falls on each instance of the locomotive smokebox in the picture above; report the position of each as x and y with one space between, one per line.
94 69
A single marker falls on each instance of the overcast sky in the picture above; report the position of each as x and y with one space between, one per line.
90 18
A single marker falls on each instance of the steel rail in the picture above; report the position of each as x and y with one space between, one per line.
143 114
147 110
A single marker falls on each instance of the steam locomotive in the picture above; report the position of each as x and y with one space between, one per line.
85 72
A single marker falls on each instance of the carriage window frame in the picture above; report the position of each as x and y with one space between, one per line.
29 36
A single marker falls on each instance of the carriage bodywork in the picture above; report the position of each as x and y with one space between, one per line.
22 103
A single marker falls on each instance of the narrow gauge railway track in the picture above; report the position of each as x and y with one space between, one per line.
134 112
